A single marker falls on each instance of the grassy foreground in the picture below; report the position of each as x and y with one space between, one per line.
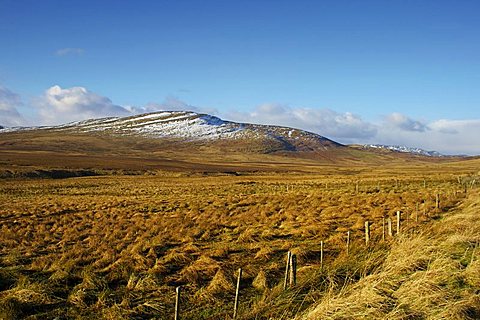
116 247
434 274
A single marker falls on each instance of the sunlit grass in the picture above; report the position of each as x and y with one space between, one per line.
117 246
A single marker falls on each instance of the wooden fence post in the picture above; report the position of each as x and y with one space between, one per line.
383 228
473 252
348 242
293 270
177 302
398 222
389 224
416 213
437 201
237 293
287 270
367 232
321 255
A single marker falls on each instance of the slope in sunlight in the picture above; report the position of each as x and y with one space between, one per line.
179 141
191 126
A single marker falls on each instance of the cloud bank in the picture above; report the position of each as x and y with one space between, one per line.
346 126
9 115
445 136
402 122
58 105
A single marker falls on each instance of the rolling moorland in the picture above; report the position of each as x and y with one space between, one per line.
181 142
101 225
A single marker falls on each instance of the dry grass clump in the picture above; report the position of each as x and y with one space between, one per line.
261 281
221 286
171 262
472 273
264 253
25 297
11 309
199 271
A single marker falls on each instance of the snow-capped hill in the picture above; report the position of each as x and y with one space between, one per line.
404 149
191 126
175 124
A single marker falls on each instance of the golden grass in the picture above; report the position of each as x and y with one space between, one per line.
431 275
115 247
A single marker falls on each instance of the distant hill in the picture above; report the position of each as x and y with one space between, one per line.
180 141
404 149
194 127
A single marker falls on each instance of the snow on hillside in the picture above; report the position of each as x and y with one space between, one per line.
418 151
181 124
193 126
163 124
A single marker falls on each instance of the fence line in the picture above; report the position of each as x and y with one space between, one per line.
290 277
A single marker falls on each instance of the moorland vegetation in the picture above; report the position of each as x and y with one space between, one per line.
116 246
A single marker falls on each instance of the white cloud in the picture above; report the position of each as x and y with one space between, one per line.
9 115
69 51
401 121
445 136
344 127
59 105
456 136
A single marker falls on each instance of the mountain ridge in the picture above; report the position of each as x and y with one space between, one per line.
182 141
192 126
405 149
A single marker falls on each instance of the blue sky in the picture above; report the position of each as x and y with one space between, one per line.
368 66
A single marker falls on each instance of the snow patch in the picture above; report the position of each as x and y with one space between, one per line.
405 149
183 125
